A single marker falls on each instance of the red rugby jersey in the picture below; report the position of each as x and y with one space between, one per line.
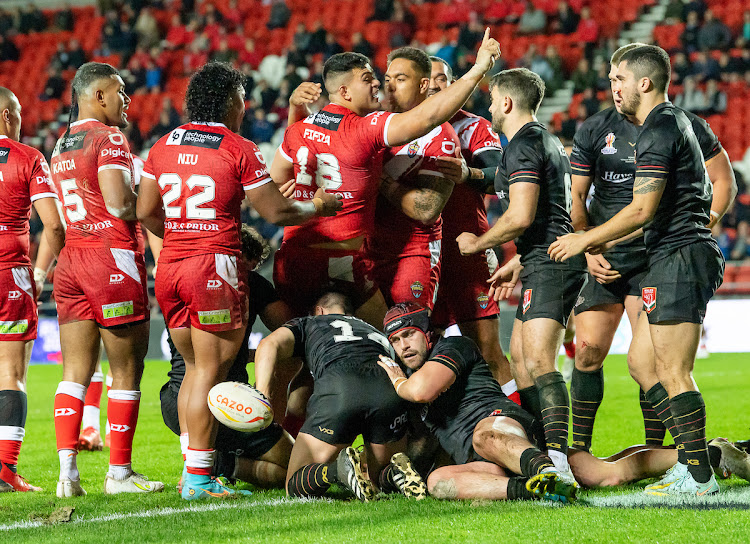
89 148
395 233
337 149
203 171
465 210
24 178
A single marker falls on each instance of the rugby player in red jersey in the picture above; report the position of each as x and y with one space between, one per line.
405 245
24 175
192 186
342 148
463 298
100 280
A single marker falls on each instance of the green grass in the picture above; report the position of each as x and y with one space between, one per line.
268 517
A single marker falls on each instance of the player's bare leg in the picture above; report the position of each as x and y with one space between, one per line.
477 480
595 329
91 438
373 311
126 349
570 348
79 343
13 367
270 469
486 334
299 392
315 465
633 464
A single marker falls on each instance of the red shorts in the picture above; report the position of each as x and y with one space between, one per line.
464 289
208 292
18 315
106 285
412 278
303 274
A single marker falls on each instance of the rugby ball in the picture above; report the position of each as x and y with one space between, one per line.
240 406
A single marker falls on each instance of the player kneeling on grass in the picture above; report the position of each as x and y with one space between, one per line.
260 458
486 433
352 396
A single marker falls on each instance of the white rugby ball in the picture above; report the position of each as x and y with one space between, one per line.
240 406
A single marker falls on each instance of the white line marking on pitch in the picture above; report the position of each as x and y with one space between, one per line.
161 512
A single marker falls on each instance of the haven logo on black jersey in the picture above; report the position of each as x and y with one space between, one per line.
4 154
196 138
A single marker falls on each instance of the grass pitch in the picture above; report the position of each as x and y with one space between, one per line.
613 515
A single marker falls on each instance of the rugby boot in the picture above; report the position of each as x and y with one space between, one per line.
687 486
15 480
350 475
198 486
135 483
733 460
70 488
90 440
553 485
674 474
407 479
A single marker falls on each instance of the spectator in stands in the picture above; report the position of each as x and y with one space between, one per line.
588 32
147 28
361 45
681 68
673 13
301 38
76 54
261 130
729 65
566 20
698 7
713 34
590 103
470 35
558 71
7 23
567 128
446 50
583 76
112 31
153 77
295 57
250 54
715 99
8 49
223 53
689 37
382 10
497 12
402 26
264 95
180 35
64 18
161 128
279 15
55 86
317 38
332 46
196 56
691 98
602 77
705 67
31 19
746 26
452 13
533 20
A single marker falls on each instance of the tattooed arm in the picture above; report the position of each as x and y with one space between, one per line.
647 192
422 202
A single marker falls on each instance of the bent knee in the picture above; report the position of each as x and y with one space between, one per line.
441 486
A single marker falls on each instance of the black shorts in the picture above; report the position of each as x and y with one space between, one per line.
457 436
343 406
632 266
550 289
249 445
679 286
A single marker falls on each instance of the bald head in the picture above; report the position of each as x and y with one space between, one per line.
10 115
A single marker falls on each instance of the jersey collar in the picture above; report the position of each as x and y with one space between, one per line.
209 124
2 136
82 121
656 110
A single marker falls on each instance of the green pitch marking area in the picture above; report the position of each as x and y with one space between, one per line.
624 514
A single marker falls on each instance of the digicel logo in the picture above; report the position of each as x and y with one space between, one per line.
114 153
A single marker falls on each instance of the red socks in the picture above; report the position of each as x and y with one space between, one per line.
122 412
68 414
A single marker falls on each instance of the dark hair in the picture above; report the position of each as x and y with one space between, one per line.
336 298
418 58
617 55
652 62
342 63
254 246
448 69
86 75
209 93
526 87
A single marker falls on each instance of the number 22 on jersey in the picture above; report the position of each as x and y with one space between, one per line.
192 203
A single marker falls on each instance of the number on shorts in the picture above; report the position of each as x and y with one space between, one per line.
74 209
327 173
192 211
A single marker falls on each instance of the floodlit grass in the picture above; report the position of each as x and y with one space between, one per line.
268 517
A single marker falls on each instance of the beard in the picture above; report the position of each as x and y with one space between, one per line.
498 121
630 104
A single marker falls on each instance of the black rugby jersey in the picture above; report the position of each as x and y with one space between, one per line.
668 148
536 156
473 389
604 148
337 342
262 293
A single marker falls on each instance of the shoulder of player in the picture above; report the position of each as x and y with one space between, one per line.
29 153
603 121
452 347
701 127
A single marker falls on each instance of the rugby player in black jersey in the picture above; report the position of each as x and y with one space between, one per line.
533 184
671 201
604 153
258 458
486 434
352 396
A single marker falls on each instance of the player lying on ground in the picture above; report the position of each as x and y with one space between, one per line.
352 396
192 188
259 458
100 280
25 181
487 435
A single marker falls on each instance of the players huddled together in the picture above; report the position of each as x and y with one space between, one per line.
386 245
